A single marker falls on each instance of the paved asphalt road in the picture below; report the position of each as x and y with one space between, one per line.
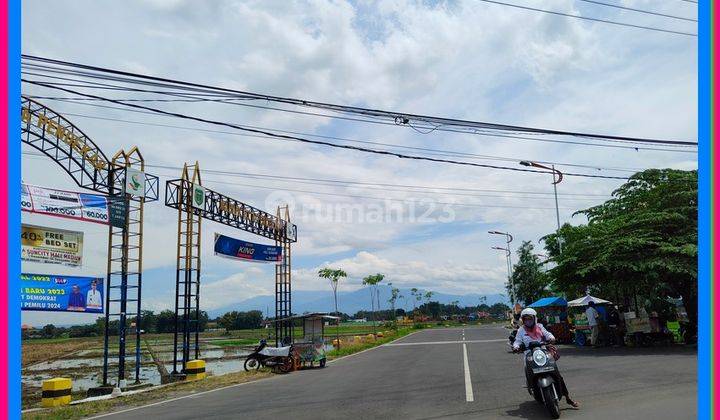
423 376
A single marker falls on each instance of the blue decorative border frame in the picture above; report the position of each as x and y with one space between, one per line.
704 209
704 219
14 175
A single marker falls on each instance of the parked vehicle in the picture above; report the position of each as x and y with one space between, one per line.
541 375
310 346
280 359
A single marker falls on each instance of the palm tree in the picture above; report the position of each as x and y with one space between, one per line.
334 276
373 281
394 295
428 296
415 294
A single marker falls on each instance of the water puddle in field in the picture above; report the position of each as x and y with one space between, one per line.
84 367
83 380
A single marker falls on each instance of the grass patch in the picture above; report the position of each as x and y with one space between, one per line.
350 348
171 391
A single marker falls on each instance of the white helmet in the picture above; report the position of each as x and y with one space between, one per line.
528 312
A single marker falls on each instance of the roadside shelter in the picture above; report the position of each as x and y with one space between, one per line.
552 312
583 301
311 346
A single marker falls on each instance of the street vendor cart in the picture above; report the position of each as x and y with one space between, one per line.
552 313
310 347
580 322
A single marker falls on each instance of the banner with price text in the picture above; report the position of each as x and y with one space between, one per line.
73 205
51 246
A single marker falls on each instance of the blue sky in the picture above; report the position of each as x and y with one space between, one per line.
460 59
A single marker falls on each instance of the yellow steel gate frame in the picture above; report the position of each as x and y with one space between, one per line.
194 203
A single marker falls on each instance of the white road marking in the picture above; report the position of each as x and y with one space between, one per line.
468 382
197 394
423 343
235 385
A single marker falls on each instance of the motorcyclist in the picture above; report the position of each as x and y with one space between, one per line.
529 331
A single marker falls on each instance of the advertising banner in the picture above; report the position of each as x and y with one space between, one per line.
72 205
246 251
51 246
46 292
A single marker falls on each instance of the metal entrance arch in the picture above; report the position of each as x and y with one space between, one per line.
63 142
194 203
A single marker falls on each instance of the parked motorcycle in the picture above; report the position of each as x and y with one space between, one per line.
541 375
279 359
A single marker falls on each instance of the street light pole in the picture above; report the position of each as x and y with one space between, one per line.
510 281
509 239
555 182
508 260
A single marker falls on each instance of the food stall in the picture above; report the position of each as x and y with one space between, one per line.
552 313
577 314
643 330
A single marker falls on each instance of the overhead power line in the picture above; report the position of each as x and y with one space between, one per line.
391 199
632 9
611 22
402 119
316 142
329 182
231 100
398 187
88 102
432 151
207 181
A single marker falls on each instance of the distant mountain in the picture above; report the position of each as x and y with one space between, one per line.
350 302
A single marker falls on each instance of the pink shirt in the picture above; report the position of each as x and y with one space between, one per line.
538 333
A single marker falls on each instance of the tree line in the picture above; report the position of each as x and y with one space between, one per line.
150 322
638 249
433 309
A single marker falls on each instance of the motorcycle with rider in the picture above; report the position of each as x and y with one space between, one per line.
543 378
